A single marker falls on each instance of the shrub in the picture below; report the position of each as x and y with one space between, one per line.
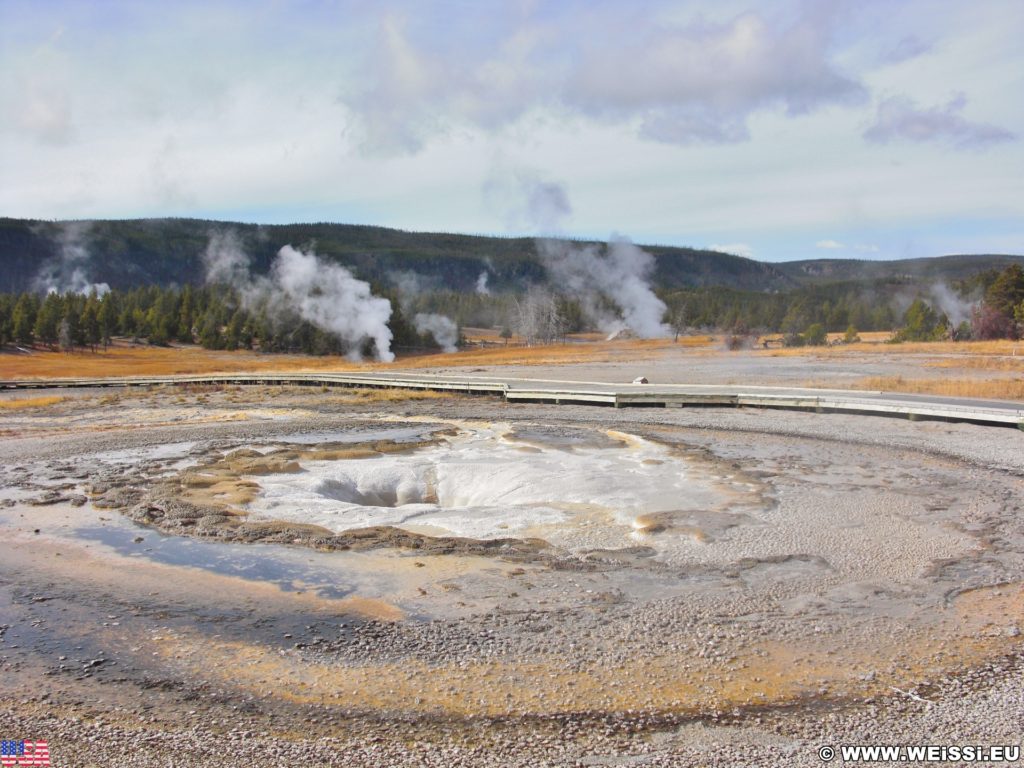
815 335
922 323
987 322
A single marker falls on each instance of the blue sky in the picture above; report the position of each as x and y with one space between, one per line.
779 130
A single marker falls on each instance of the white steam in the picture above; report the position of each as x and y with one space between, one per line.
481 284
442 328
326 295
67 271
409 285
226 262
527 201
612 287
953 306
611 283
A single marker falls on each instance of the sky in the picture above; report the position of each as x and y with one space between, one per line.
773 129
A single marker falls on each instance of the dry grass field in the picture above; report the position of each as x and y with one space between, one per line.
988 389
987 369
136 360
363 395
991 349
131 360
23 403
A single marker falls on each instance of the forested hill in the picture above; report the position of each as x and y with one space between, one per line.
932 270
131 253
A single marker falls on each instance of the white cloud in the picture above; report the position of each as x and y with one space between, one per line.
701 82
225 111
414 93
679 83
835 245
905 49
737 249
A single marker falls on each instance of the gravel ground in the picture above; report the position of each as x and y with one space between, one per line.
186 667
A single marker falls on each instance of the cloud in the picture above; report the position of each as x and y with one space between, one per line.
701 82
909 47
40 96
46 111
677 83
899 118
835 245
687 126
262 132
737 249
165 177
414 92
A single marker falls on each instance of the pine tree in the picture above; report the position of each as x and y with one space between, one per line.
48 319
91 321
6 311
186 316
23 319
209 331
107 318
237 335
69 332
1007 291
922 323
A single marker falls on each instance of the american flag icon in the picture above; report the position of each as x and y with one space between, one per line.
21 752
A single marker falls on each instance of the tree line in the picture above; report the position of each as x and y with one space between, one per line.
216 318
993 301
212 316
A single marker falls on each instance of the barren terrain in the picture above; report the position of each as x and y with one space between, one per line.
985 369
227 576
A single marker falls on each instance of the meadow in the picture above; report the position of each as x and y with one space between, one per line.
983 369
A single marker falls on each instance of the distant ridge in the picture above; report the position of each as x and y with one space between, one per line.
955 267
135 252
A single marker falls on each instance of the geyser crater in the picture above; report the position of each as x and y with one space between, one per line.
489 482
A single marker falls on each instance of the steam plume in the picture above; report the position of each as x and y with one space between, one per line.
67 272
481 284
443 329
954 307
612 287
611 283
226 262
326 295
409 285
